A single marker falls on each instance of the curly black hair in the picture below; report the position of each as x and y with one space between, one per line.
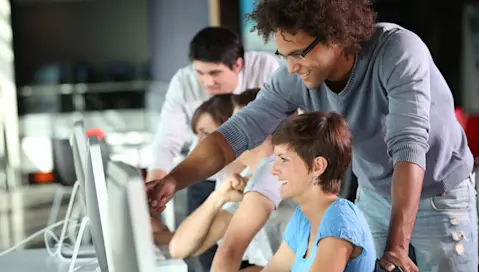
346 22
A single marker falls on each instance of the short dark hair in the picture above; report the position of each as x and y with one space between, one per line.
220 107
316 134
346 22
217 45
243 99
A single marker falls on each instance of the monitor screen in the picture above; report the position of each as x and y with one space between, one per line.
129 219
97 204
79 142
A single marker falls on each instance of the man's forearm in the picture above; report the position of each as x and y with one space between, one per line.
208 158
405 195
191 233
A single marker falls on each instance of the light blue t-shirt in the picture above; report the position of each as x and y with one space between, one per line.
342 219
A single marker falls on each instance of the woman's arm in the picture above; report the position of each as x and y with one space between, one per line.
250 217
332 253
343 236
235 167
208 223
282 260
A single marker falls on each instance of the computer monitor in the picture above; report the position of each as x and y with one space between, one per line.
79 141
97 204
131 233
79 152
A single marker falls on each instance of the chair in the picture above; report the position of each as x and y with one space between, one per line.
349 185
461 117
64 172
472 133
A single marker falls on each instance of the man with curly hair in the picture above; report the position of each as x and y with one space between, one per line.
410 155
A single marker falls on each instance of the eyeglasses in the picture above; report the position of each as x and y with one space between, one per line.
297 56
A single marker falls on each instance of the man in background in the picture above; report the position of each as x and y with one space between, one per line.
219 65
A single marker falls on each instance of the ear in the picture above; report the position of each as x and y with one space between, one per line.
238 65
319 166
333 44
336 47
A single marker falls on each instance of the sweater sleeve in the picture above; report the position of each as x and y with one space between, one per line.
250 127
406 77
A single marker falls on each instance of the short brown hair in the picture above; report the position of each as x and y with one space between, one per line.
346 22
243 99
220 107
314 134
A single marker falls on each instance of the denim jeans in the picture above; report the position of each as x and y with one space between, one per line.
445 232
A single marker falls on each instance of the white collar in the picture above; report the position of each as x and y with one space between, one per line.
239 87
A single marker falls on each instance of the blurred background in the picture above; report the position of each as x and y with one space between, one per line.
110 61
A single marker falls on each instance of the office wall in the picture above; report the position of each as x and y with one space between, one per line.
104 30
96 31
173 24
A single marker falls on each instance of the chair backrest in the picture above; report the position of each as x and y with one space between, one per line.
472 133
349 185
63 161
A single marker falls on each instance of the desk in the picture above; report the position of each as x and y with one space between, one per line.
38 260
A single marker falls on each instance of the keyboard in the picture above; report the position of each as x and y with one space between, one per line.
161 253
164 262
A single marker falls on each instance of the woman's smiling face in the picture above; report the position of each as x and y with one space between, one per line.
292 172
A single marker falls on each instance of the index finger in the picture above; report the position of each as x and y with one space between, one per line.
157 210
151 184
